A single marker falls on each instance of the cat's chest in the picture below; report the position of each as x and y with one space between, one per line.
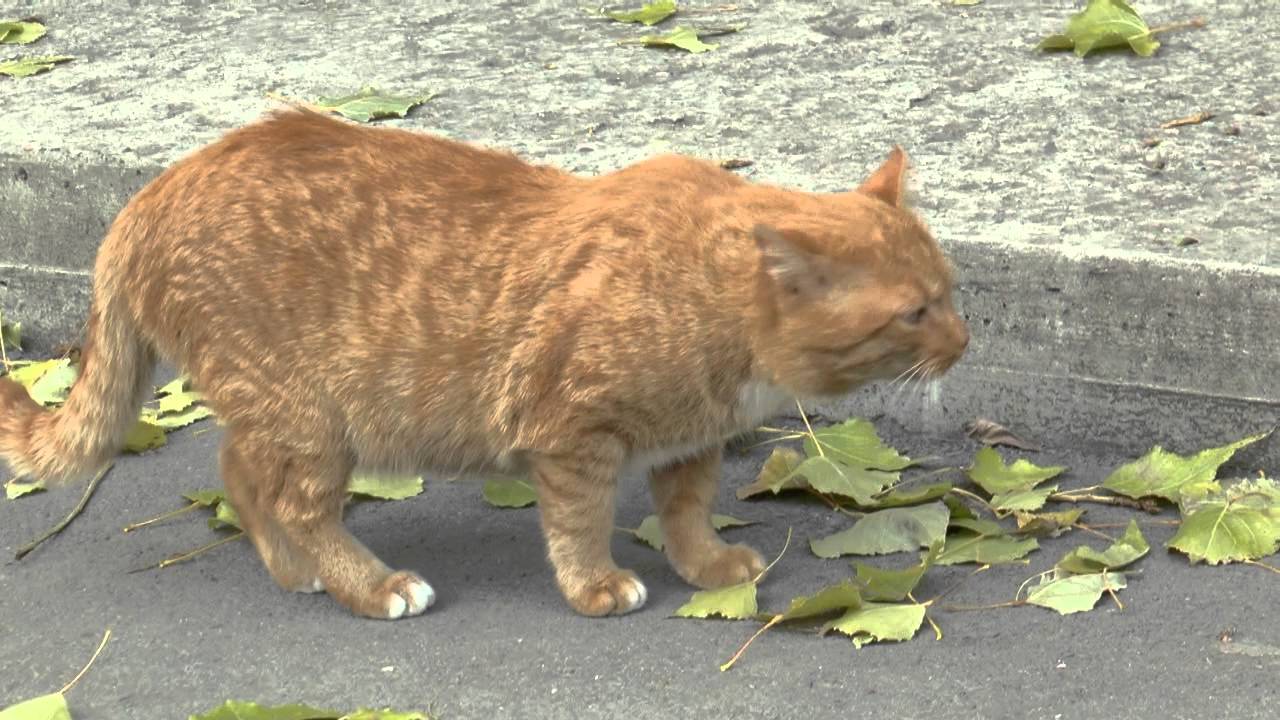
756 402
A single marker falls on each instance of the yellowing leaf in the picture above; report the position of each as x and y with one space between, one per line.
875 622
47 382
1084 560
969 547
736 602
205 498
650 529
650 13
240 710
991 474
15 489
509 492
45 707
11 335
16 32
385 487
369 103
1047 523
836 478
776 475
1075 593
684 37
855 443
1104 24
179 401
144 436
1167 475
224 515
1023 500
911 496
173 421
27 66
887 531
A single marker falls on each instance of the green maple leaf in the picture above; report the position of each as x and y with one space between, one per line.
887 531
876 622
1174 477
16 32
777 474
683 37
1075 593
1085 560
45 707
650 13
736 602
989 472
509 492
27 66
1104 24
369 104
385 487
1222 531
894 585
650 529
855 443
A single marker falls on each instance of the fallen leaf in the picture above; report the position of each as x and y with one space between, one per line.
841 596
683 37
224 515
371 104
894 585
46 707
179 401
984 549
173 421
1222 531
207 498
1194 119
1167 475
777 474
51 383
650 530
650 13
11 334
15 489
1050 524
1085 560
912 496
1104 24
27 66
875 622
509 492
887 531
1075 593
990 473
855 443
17 32
736 602
836 478
736 163
1023 500
241 710
144 436
989 432
385 487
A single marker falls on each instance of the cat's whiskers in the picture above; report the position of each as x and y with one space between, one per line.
911 374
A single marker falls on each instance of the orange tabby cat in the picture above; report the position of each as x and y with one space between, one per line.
354 297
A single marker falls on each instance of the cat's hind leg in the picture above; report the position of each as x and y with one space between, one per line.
576 503
290 504
683 494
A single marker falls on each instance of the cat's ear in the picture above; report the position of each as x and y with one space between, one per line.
790 266
889 182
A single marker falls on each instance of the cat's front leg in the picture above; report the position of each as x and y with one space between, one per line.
683 494
576 503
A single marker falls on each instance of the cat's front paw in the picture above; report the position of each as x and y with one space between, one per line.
723 566
619 592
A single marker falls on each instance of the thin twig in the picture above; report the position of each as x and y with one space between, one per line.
160 518
937 631
84 500
976 497
182 557
1194 119
1086 528
105 637
1144 505
729 663
992 606
1181 25
1140 522
781 552
4 355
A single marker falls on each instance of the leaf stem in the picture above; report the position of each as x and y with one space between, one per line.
75 512
182 557
781 552
976 497
955 586
937 631
772 621
992 606
160 518
1264 566
809 428
1181 25
1144 505
105 637
1140 522
1090 530
4 355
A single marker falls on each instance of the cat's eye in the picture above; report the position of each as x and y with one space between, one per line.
913 317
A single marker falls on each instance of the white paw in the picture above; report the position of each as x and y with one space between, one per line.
413 599
637 594
314 586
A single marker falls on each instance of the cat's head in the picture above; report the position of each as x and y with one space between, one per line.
853 289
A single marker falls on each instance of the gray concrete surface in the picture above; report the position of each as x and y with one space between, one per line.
1094 331
502 644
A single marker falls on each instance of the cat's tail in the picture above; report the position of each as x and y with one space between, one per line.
75 440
